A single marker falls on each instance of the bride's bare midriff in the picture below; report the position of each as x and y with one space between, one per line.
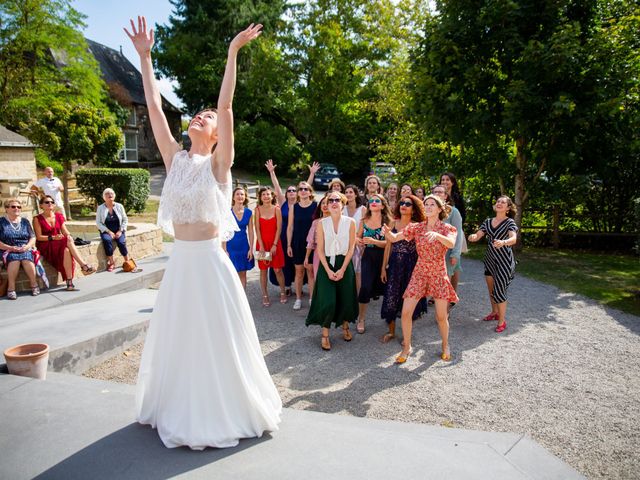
193 232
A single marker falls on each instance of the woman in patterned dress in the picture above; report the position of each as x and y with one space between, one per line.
397 266
239 248
499 263
16 241
429 279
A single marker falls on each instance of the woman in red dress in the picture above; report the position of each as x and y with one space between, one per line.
268 226
55 243
433 238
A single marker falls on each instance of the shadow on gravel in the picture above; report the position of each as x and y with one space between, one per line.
135 452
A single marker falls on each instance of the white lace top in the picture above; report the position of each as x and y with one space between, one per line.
336 243
191 194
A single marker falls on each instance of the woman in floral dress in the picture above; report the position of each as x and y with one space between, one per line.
433 238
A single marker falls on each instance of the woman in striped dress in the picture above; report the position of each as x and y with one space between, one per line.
499 263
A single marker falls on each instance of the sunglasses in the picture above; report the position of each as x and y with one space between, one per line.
375 200
333 200
405 204
291 190
19 207
303 189
48 202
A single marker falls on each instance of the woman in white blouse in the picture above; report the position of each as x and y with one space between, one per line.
334 294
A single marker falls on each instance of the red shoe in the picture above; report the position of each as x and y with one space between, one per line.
491 316
501 328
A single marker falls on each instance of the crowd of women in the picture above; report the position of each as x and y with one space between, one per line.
23 244
402 243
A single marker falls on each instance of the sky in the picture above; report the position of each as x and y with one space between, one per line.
106 18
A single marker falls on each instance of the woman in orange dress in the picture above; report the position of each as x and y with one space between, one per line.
433 238
268 225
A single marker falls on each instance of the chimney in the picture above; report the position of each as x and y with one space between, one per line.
120 49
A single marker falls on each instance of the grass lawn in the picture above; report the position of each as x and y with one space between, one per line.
613 280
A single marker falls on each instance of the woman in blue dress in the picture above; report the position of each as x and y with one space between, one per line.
239 247
399 261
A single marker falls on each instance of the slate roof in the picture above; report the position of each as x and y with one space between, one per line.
12 139
124 80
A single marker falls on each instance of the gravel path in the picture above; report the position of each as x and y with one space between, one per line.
566 371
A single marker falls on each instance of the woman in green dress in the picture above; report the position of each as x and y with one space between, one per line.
334 293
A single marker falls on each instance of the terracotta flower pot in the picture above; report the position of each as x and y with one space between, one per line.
28 360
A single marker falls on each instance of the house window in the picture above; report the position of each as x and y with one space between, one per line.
132 120
130 151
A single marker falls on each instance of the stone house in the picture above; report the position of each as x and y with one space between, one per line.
17 169
125 87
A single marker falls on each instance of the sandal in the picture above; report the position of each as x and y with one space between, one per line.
111 267
324 343
70 286
88 269
35 291
402 358
490 317
446 355
12 295
265 301
387 337
283 298
360 326
346 334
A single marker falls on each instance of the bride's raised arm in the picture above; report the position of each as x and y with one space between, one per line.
223 159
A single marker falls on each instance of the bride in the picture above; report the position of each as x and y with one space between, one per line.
203 381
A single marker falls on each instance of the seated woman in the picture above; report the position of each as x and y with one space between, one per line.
111 219
16 241
55 243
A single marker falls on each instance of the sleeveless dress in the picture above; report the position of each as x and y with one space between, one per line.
302 219
53 251
371 264
289 270
238 246
268 228
203 381
499 263
402 261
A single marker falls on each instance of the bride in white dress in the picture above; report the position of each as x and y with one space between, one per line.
203 381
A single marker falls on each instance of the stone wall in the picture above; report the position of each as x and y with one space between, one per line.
17 174
143 240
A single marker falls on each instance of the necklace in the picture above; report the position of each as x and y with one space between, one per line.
16 226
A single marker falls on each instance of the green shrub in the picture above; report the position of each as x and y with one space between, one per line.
130 184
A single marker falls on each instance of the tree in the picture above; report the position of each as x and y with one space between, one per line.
76 133
512 76
43 58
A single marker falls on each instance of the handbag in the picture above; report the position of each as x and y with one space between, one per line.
130 265
263 256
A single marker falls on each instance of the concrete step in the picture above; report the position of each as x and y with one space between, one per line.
98 285
70 427
83 334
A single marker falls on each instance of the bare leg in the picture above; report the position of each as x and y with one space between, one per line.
12 273
502 312
74 252
324 341
362 313
311 279
408 306
280 279
30 270
299 280
358 282
494 307
243 279
442 317
68 264
454 280
263 283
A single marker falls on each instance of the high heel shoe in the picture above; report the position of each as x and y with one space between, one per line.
402 358
490 317
324 343
502 327
360 326
446 355
346 334
265 301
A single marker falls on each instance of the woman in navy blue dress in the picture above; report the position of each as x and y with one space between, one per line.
16 241
239 247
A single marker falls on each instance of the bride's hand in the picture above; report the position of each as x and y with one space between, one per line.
141 39
252 32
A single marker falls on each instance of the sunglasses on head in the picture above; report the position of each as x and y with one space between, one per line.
19 207
375 200
333 200
303 189
404 203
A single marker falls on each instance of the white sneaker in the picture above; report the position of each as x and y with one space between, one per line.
297 305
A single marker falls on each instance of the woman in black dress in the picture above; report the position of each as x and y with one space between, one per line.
499 263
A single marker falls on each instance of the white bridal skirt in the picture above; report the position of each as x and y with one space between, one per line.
203 381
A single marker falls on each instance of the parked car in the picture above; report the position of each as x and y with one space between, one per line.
385 170
326 173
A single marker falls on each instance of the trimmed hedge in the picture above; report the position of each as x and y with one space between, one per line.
130 184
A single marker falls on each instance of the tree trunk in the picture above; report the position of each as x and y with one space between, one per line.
520 186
